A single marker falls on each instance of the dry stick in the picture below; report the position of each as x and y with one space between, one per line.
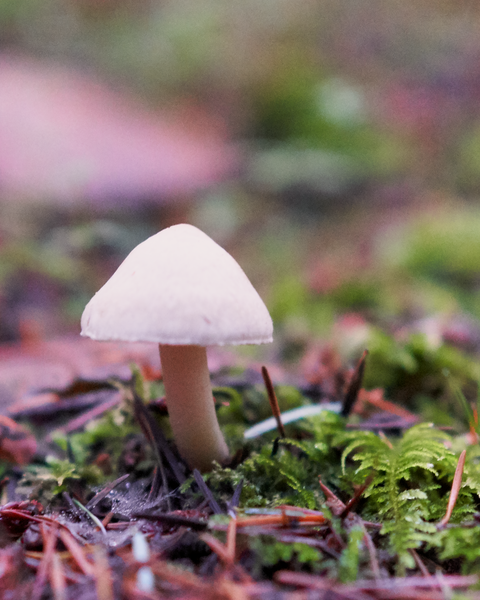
206 491
473 425
147 427
216 546
235 499
172 519
155 436
159 444
354 386
224 553
352 503
68 499
163 475
42 409
118 526
391 407
47 520
420 564
372 553
107 518
456 485
157 484
339 509
106 490
272 398
333 502
233 590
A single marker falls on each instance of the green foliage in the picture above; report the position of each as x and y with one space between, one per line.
271 553
295 105
44 482
350 558
237 410
438 259
471 473
444 247
388 360
286 471
60 470
292 302
104 435
459 543
272 480
405 492
107 433
408 495
416 366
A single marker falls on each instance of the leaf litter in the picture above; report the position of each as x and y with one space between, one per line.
341 504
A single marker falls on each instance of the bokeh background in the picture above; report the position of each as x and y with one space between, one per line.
333 147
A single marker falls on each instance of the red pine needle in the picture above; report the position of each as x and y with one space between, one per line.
77 553
49 541
232 540
103 575
282 520
57 578
456 485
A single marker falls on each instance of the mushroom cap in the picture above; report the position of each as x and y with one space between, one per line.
178 287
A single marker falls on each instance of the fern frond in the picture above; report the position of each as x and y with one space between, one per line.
404 484
373 445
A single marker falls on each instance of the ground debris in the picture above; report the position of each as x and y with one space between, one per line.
257 528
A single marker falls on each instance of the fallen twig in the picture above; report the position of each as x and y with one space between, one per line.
272 398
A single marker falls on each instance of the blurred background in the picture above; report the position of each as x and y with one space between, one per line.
331 146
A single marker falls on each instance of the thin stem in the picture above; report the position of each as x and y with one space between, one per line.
191 405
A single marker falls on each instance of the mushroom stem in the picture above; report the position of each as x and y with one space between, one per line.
191 406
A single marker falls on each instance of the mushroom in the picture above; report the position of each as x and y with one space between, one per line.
183 291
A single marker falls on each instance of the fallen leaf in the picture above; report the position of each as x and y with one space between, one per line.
17 445
38 373
67 138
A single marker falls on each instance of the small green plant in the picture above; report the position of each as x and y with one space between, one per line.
350 558
44 482
410 485
460 544
273 554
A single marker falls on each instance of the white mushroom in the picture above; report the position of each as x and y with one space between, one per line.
183 291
